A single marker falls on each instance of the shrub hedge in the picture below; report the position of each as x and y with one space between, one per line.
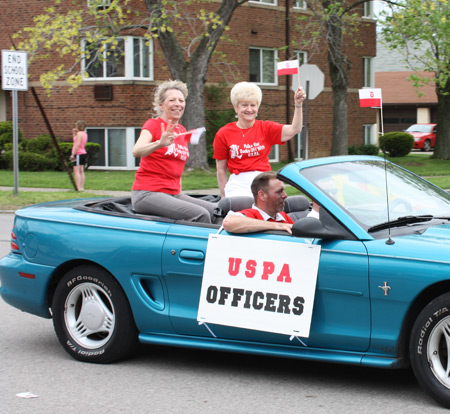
368 149
38 154
397 144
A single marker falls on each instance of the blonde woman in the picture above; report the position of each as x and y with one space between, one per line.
243 147
163 149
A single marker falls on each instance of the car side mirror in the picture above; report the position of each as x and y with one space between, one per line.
326 227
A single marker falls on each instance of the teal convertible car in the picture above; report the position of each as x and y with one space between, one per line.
365 283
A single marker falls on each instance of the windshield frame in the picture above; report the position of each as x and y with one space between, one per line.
365 183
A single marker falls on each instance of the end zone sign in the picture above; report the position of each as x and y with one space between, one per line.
265 285
14 70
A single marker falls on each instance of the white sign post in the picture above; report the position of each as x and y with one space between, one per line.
262 285
312 80
15 78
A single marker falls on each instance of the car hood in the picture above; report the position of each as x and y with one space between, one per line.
430 244
419 134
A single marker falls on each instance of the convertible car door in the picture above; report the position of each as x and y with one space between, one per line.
341 315
183 259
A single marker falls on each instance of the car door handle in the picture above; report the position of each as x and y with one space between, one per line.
192 255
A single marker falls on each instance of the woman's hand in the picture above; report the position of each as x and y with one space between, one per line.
299 97
167 136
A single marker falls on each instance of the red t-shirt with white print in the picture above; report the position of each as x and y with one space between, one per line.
254 213
162 169
247 149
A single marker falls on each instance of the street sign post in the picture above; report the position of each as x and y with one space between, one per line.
312 81
15 78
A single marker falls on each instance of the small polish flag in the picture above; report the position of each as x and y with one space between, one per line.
288 67
370 98
196 134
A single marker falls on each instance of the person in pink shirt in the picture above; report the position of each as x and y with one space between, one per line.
79 154
163 149
243 147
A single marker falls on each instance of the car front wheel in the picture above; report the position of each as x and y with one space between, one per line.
92 317
426 146
430 349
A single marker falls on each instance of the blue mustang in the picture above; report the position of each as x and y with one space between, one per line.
111 278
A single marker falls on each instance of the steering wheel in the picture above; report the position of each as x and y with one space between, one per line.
408 208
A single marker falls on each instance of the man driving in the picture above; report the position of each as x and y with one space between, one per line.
267 211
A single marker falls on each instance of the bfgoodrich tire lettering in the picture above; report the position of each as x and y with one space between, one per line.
92 317
430 349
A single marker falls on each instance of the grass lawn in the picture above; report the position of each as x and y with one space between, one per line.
436 171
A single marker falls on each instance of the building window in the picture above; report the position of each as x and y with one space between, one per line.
262 66
116 145
368 81
300 4
129 58
369 134
298 147
302 57
99 3
368 9
274 155
269 2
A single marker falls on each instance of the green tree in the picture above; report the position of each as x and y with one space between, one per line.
421 29
335 23
187 30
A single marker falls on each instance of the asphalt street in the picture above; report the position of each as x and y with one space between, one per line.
171 380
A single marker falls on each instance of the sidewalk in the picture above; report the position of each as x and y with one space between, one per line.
54 190
214 191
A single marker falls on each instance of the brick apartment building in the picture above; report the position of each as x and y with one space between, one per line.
116 105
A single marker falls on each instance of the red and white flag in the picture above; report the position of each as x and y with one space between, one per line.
370 98
196 134
288 67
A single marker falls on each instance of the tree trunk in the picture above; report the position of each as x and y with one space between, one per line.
442 146
339 68
339 144
192 70
194 115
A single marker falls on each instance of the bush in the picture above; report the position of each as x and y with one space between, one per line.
6 134
397 144
29 161
42 144
363 150
92 150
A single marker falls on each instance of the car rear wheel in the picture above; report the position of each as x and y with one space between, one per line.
430 349
426 146
92 317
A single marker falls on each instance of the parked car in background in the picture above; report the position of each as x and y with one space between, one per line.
424 135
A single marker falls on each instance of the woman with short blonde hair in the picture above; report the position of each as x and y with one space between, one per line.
243 147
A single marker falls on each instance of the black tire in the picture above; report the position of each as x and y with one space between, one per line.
92 317
426 146
429 349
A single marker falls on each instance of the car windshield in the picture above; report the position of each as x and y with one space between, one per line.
419 128
360 188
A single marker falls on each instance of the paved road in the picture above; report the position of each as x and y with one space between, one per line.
170 380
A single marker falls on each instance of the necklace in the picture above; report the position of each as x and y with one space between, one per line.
247 130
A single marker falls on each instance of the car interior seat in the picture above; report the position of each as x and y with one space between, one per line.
297 206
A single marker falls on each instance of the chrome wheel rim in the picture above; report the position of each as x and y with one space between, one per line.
89 316
438 351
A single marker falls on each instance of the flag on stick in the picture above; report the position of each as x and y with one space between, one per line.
370 98
288 67
196 134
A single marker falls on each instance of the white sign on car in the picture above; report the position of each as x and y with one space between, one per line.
264 285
